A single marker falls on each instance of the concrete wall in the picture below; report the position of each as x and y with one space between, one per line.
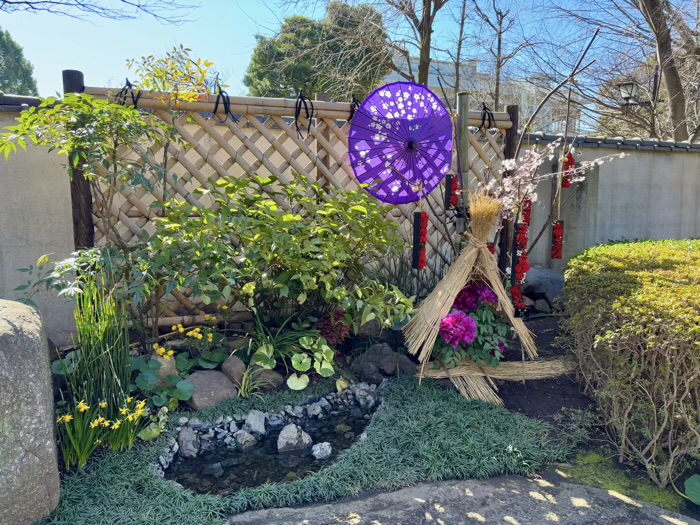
35 219
647 194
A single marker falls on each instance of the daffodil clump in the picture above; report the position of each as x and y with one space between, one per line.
84 428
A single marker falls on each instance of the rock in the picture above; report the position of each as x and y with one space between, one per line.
296 411
543 284
367 371
232 427
182 421
321 450
236 343
256 422
293 438
234 368
207 445
342 428
370 329
245 440
366 398
314 410
379 361
267 380
188 440
276 421
211 387
214 469
405 366
167 368
29 482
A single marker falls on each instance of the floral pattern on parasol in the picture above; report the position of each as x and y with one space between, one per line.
400 142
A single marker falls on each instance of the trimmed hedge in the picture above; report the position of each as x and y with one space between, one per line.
633 320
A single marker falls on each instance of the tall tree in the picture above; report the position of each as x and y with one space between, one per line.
168 11
16 73
409 24
340 55
637 37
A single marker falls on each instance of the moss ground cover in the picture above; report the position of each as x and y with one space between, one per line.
422 433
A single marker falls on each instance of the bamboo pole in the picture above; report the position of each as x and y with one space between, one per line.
280 107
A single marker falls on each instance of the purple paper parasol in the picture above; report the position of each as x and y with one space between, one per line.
401 142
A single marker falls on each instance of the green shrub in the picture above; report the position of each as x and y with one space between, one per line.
634 324
288 250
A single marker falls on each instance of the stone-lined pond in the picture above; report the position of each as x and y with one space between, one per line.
266 448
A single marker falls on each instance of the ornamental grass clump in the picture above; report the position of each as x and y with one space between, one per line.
97 408
634 323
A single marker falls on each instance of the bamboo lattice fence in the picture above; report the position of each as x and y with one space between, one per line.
265 141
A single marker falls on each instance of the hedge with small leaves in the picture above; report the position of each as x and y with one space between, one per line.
634 323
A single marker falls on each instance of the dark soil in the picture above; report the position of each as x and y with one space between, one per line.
543 398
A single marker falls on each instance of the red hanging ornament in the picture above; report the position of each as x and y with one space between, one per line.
569 166
454 193
557 239
527 211
522 239
491 248
422 259
517 295
423 227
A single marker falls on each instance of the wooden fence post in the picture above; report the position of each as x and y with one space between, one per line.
510 145
80 195
463 155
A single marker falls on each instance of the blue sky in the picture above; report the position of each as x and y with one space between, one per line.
221 30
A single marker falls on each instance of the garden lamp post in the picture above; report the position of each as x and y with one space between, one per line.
629 93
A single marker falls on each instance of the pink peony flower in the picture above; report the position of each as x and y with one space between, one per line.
457 328
467 300
487 295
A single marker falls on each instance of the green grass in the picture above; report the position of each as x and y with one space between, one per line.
423 433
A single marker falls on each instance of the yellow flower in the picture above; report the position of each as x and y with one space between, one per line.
95 423
82 407
124 411
180 328
210 338
61 419
141 405
117 424
156 346
103 404
174 328
199 336
106 424
129 399
224 307
68 418
166 357
130 418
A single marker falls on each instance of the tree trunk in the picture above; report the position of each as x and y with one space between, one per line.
499 66
653 11
425 31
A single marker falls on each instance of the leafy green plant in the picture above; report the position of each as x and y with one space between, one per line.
692 488
288 250
161 392
157 425
633 322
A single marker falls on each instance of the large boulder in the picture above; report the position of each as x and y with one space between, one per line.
211 387
293 438
234 368
543 284
380 361
29 482
167 368
267 380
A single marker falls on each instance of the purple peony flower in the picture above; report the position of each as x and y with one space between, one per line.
468 299
487 295
502 347
458 328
